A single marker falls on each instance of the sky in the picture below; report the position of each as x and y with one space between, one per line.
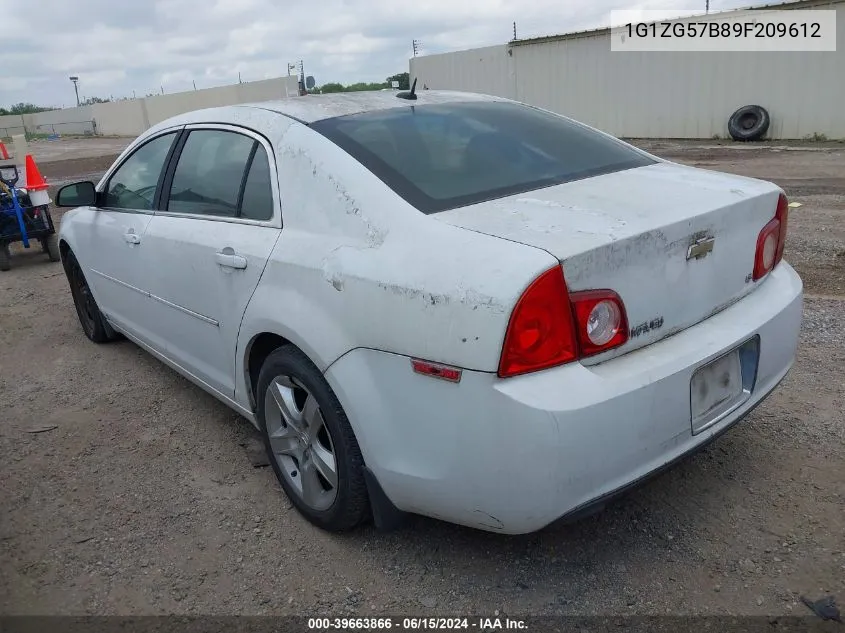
118 48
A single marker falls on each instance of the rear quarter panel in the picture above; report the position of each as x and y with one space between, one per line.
356 266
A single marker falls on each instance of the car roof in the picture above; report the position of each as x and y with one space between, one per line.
311 108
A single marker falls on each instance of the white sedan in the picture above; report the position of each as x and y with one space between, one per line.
445 304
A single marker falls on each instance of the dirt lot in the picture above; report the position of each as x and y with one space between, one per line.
141 498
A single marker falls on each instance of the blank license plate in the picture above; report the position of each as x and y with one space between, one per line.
714 389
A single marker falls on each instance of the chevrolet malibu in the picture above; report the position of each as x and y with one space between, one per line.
443 304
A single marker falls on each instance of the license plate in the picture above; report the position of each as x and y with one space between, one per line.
715 389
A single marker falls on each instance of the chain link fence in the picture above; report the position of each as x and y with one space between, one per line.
46 130
7 132
75 128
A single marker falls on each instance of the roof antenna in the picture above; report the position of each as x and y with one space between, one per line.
412 95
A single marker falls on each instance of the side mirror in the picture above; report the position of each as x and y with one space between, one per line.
78 194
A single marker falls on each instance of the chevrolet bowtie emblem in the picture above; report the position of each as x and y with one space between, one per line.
701 247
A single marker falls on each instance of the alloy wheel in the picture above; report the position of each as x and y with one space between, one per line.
301 443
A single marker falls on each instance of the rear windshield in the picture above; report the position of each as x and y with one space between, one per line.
440 157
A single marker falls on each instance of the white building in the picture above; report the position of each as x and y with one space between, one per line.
657 94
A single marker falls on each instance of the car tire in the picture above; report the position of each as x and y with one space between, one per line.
5 257
749 123
93 322
304 428
51 247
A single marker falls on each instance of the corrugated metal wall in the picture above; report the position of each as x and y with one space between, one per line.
656 95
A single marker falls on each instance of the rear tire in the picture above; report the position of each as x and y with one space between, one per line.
90 318
51 247
310 443
5 257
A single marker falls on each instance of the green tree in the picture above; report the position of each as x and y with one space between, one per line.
363 86
404 80
23 108
331 87
93 100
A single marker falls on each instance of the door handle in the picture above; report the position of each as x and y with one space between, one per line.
131 238
230 259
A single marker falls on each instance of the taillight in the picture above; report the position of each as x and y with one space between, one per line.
548 327
541 332
771 241
601 320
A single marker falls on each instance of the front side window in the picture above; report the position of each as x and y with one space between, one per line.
133 185
440 157
210 173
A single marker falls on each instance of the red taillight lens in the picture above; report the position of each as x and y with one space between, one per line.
602 323
782 214
541 332
771 241
548 327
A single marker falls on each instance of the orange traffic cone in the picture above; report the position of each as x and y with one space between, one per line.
36 186
4 155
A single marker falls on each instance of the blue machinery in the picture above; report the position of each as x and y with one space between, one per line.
9 177
21 220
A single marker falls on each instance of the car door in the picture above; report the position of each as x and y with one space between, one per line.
111 248
210 242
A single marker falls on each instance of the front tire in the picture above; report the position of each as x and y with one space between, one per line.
90 318
310 443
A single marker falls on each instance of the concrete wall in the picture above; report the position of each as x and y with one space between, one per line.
657 95
67 121
162 107
131 117
121 118
10 125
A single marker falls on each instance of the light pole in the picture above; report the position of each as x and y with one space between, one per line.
76 89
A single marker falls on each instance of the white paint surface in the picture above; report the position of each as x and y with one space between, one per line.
362 282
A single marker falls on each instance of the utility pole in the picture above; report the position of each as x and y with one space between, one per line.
76 89
239 77
514 30
195 83
706 6
416 45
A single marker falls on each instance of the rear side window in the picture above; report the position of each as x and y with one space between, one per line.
440 157
209 174
257 202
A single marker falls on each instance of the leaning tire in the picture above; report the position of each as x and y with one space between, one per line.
749 123
304 443
5 257
90 318
51 247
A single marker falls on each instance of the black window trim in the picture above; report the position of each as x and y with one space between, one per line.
244 178
275 221
102 191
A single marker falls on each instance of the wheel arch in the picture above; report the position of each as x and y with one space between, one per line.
256 352
64 249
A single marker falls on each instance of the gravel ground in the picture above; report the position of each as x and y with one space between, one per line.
126 490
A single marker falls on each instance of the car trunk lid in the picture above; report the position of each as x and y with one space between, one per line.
676 243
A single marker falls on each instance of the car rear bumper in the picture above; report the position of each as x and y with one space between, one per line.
514 455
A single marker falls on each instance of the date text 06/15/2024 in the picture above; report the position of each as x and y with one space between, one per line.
416 624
